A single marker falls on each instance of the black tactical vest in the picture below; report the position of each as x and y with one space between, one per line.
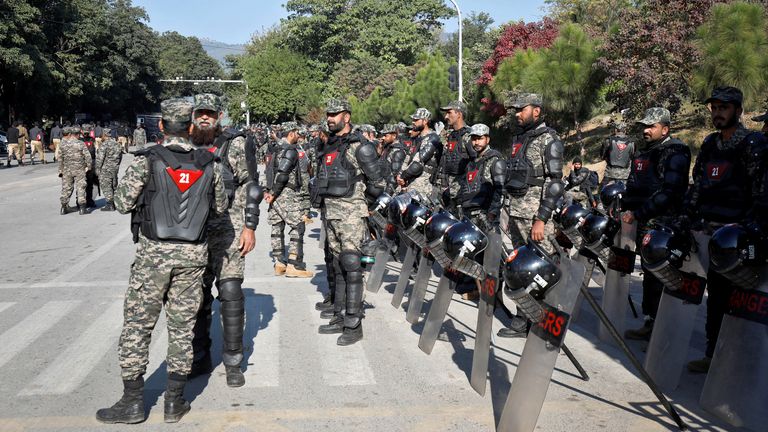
619 152
220 150
270 164
476 191
521 173
456 157
431 166
335 174
175 203
725 190
645 178
294 178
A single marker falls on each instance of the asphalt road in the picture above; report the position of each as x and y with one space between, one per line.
61 297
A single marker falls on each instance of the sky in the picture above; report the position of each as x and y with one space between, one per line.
234 21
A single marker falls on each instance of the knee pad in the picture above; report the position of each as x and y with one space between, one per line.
300 228
350 261
230 290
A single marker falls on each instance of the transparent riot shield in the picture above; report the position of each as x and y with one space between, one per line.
736 389
534 371
616 288
405 274
416 299
668 349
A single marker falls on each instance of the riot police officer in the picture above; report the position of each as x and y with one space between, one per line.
727 178
584 181
656 185
348 178
392 154
617 152
421 173
479 197
458 150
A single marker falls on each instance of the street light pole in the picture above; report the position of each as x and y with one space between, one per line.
461 52
248 110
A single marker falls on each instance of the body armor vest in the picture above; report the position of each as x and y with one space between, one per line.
475 190
336 175
270 164
175 203
644 178
431 166
521 174
220 149
725 188
619 152
456 157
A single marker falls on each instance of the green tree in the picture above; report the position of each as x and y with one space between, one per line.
597 15
734 51
182 56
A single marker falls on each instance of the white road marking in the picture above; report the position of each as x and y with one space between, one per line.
20 336
73 365
6 305
264 361
249 282
91 258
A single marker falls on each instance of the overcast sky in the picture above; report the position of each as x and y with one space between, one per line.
234 21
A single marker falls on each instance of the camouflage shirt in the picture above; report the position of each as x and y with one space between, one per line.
355 205
239 166
74 156
109 155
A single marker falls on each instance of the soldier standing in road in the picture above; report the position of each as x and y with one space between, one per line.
140 137
458 151
122 136
287 192
392 154
75 162
108 158
56 135
533 181
657 183
348 178
231 236
421 173
617 152
170 258
479 198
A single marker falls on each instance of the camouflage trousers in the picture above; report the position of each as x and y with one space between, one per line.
108 181
519 231
149 288
70 181
279 220
345 235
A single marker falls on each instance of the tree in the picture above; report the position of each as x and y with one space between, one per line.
597 16
182 56
649 59
734 52
475 29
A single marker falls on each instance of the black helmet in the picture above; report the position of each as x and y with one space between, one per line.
396 207
415 215
529 268
663 250
598 231
437 224
733 253
612 194
382 204
569 220
462 242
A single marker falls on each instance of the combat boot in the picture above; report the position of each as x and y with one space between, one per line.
292 272
201 367
82 209
350 335
109 206
64 209
130 408
327 314
235 377
325 305
280 268
336 325
175 405
642 334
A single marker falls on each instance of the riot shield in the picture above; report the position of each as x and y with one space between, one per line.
405 274
668 349
386 232
534 371
416 299
618 276
488 288
736 389
590 262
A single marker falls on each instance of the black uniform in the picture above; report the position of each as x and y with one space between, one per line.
457 153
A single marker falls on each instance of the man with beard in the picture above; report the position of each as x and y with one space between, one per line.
170 258
533 181
478 198
656 186
726 188
583 181
422 170
231 236
458 150
617 152
392 154
348 178
287 193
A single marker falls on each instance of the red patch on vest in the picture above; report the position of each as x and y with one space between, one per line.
269 159
330 158
621 146
212 149
451 145
641 165
301 155
716 170
471 176
184 179
646 239
516 148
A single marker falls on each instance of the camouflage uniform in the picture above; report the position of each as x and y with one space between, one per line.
544 151
163 273
457 153
75 160
140 138
108 158
426 183
483 210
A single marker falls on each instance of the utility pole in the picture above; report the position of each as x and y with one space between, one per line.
461 53
243 105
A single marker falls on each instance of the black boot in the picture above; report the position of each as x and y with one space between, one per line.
327 314
325 305
350 335
336 325
232 321
353 315
64 209
130 408
203 366
108 206
201 341
235 377
82 209
175 405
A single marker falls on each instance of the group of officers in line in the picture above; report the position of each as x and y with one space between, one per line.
194 205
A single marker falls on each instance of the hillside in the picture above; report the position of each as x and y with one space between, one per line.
219 50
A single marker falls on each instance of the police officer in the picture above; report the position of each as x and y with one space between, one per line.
170 258
287 192
348 178
107 164
36 142
392 154
56 135
75 162
90 176
533 180
617 152
231 236
656 186
421 172
479 198
727 178
583 181
458 150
